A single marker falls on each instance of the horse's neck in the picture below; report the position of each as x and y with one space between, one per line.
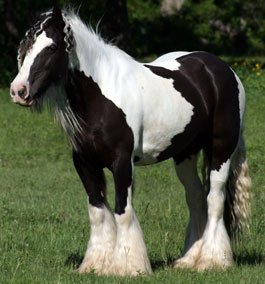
95 58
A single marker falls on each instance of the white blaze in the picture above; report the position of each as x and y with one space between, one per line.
41 42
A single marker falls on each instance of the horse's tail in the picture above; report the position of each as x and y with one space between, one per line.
238 195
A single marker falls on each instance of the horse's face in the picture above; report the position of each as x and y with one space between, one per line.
43 59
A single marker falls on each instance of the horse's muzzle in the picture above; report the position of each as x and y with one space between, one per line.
20 94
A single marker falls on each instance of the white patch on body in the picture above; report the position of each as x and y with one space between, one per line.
130 254
168 60
172 65
102 241
165 113
170 56
241 98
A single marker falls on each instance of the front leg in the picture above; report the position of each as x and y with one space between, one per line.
102 240
130 254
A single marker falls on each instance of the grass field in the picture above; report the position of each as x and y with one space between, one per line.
43 211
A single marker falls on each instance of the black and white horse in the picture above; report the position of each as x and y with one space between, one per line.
118 113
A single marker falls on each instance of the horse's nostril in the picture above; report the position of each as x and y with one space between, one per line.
22 92
13 93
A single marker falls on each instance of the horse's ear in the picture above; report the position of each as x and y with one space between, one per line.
57 17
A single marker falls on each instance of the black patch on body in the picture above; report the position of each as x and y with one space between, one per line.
106 139
211 87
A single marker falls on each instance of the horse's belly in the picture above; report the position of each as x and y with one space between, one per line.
152 146
144 160
160 127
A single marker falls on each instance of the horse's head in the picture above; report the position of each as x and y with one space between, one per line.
42 59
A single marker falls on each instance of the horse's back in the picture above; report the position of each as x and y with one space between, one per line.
169 56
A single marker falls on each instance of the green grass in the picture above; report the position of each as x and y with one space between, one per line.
43 211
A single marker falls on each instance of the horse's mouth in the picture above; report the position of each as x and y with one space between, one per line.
22 101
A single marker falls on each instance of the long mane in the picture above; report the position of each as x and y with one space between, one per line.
95 56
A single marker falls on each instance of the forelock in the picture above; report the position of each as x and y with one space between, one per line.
32 34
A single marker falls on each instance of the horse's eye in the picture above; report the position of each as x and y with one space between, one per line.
53 46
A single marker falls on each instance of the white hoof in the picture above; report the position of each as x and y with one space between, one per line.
102 241
214 260
130 254
97 262
130 265
188 260
183 262
216 250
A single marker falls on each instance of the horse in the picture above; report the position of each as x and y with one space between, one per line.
119 113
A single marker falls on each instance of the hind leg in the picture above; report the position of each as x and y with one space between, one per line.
216 249
196 201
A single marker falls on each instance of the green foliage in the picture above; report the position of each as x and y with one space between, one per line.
143 10
43 208
224 27
233 26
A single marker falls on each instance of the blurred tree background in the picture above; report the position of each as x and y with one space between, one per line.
147 27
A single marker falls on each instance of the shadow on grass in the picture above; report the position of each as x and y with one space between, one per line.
162 264
252 259
74 260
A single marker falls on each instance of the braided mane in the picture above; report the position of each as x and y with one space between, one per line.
32 34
